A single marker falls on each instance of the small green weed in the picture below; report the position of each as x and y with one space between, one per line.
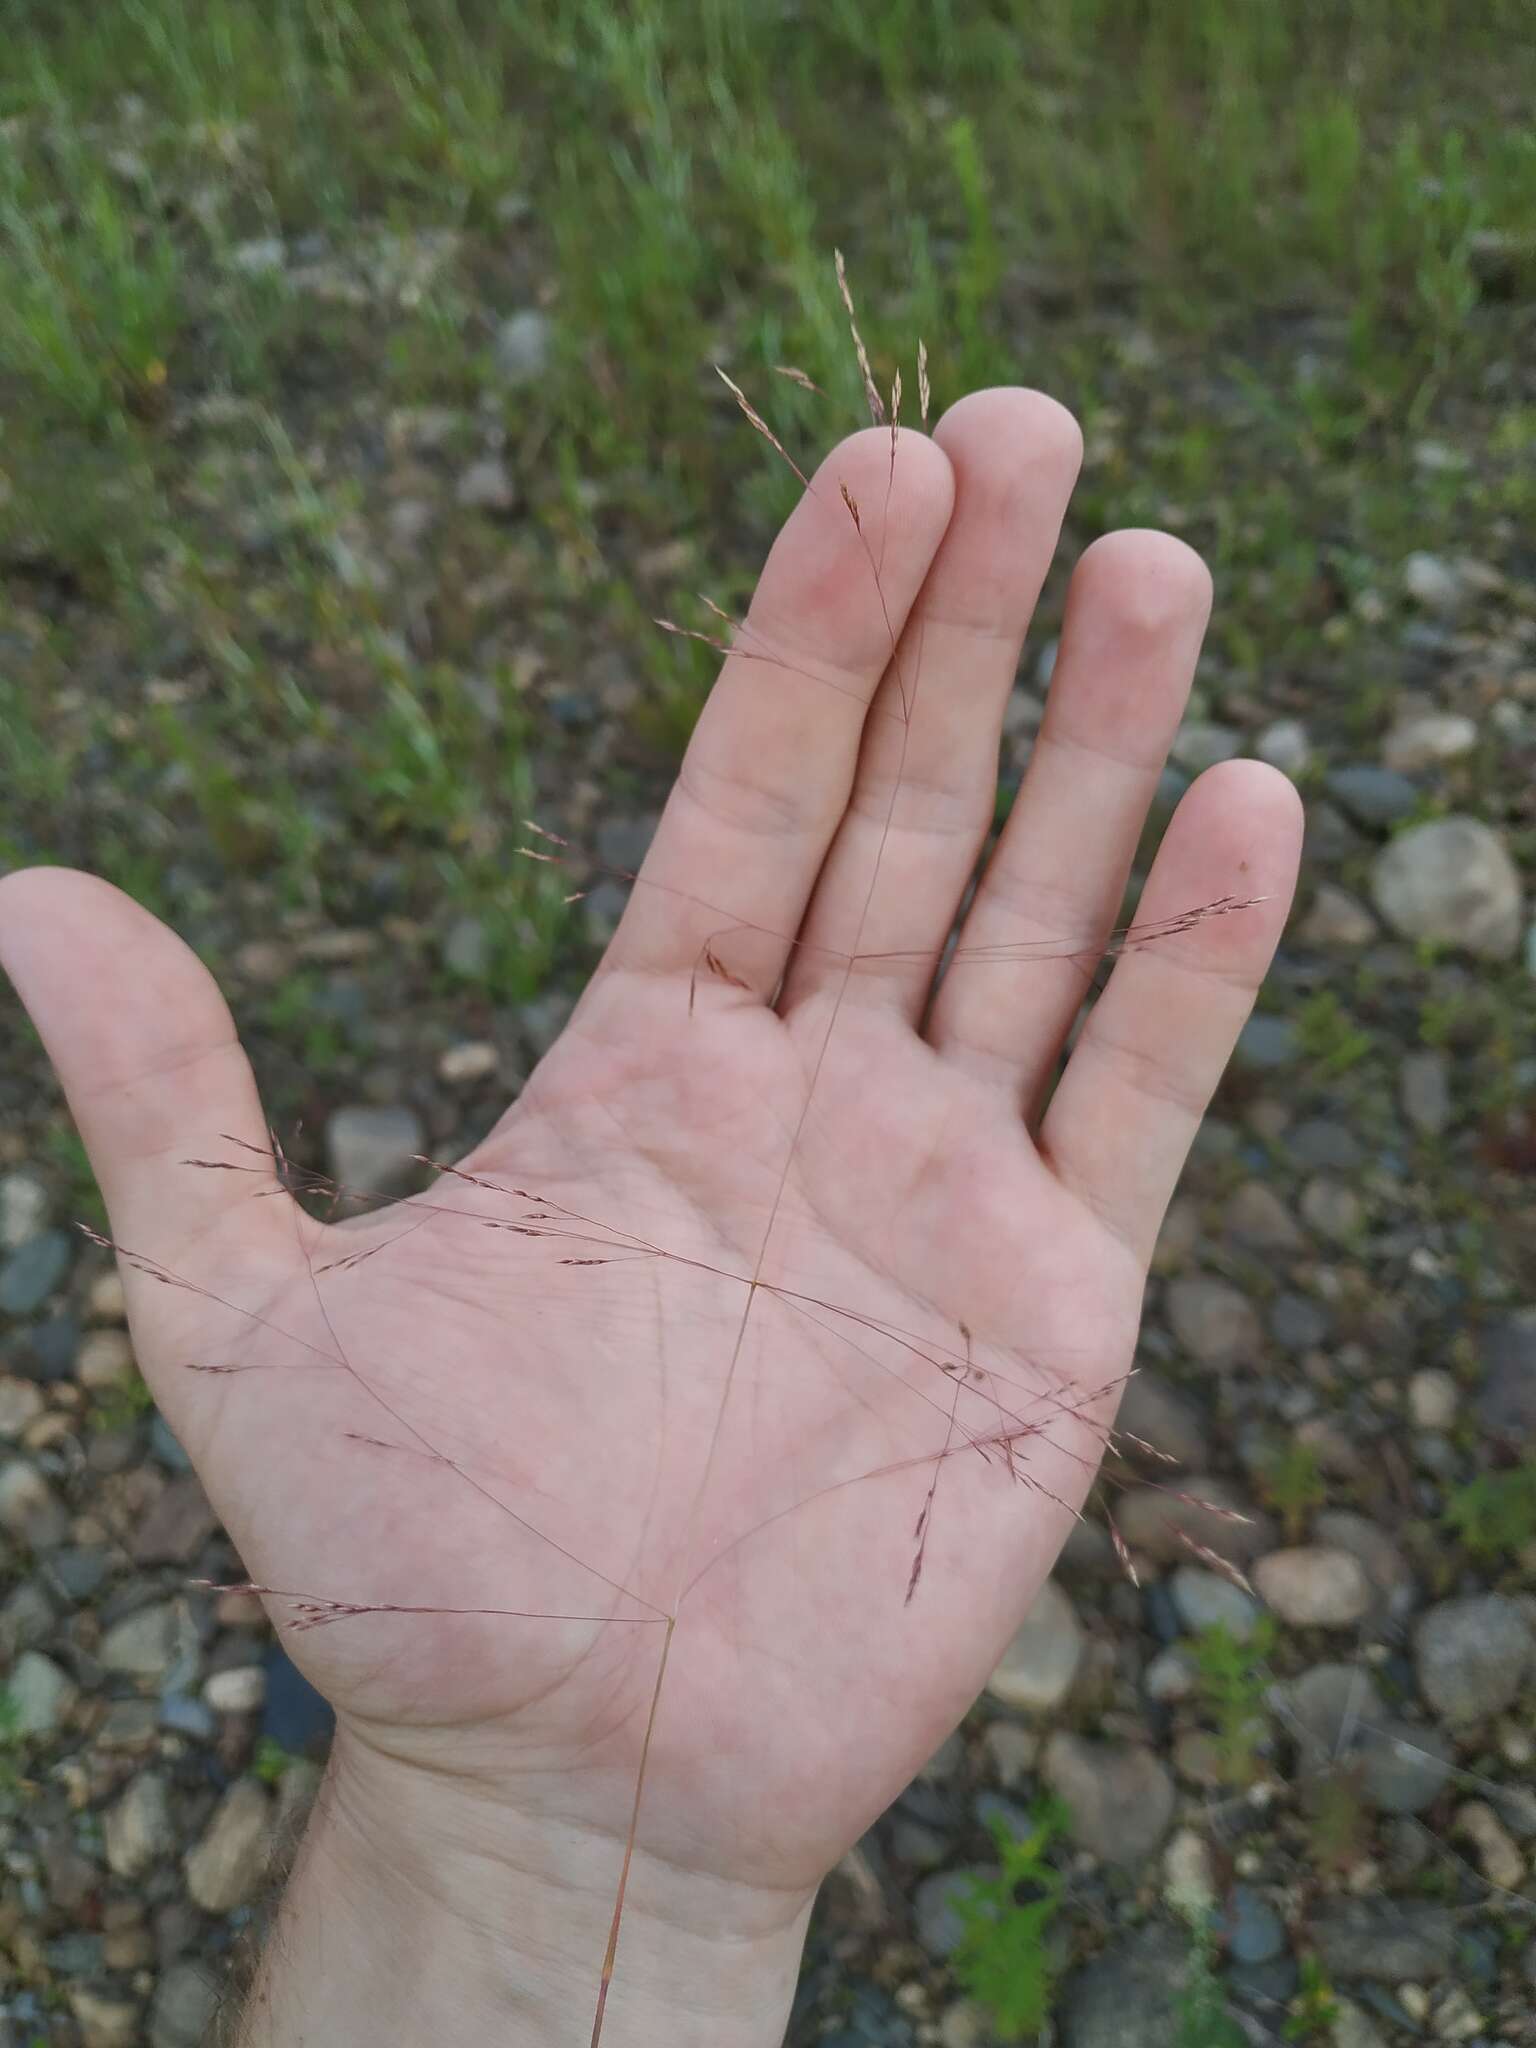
124 1402
1495 1514
1004 1959
1329 1036
271 1760
1233 1680
1293 1485
1204 2019
1314 2007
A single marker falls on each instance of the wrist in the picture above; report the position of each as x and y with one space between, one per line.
421 1910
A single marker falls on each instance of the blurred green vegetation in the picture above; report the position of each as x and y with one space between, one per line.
1258 249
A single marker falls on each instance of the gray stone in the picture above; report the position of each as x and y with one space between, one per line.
26 1619
1384 1941
139 1829
467 947
33 1271
1266 1043
1385 1566
21 1403
23 1209
1313 1587
1286 745
1036 1670
1324 1143
1332 1208
104 2019
522 347
1129 1996
177 1526
182 2009
1473 1656
1424 1088
30 1510
1506 1403
1353 2027
1256 1216
1205 1599
1171 1675
1205 1510
373 1150
1212 1319
1199 744
1253 1930
1436 584
1404 1767
939 1925
1336 919
226 1867
1120 1797
1427 741
487 486
1160 1416
1371 795
1297 1323
1451 881
41 1694
149 1643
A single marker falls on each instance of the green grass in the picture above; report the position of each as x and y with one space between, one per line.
1494 1515
1232 1680
1004 1959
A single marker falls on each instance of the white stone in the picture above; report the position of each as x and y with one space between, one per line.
1036 1671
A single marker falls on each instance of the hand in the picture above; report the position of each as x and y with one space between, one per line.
856 1264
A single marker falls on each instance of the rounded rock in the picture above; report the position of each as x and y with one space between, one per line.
1313 1587
1120 1798
1472 1656
1451 881
1036 1670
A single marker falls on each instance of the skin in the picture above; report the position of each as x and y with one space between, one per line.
948 1252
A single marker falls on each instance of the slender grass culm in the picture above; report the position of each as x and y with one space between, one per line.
761 1358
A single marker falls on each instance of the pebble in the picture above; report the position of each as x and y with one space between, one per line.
1336 919
1189 1875
1415 744
30 1510
41 1694
1497 1857
108 1298
521 350
1253 1930
462 1065
1286 745
1200 744
1205 1599
1119 1796
104 2020
1313 1587
1472 1656
1385 1566
23 1209
149 1643
1451 881
1130 1995
1403 1767
1506 1402
1353 2027
1424 1089
226 1867
182 2009
373 1150
1036 1671
1455 2017
177 1526
1384 1940
1432 1399
103 1358
487 486
1332 1208
33 1271
1266 1043
467 948
1011 1752
138 1829
1214 1322
20 1405
1371 795
1171 1676
240 1690
1256 1216
1155 1521
1434 583
939 1925
1159 1415
1297 1323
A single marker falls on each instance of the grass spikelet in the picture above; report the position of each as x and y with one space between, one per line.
871 389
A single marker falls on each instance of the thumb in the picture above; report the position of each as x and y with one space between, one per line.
146 1050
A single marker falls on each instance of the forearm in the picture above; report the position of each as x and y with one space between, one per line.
386 1935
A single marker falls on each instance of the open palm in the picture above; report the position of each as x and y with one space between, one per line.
788 1280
